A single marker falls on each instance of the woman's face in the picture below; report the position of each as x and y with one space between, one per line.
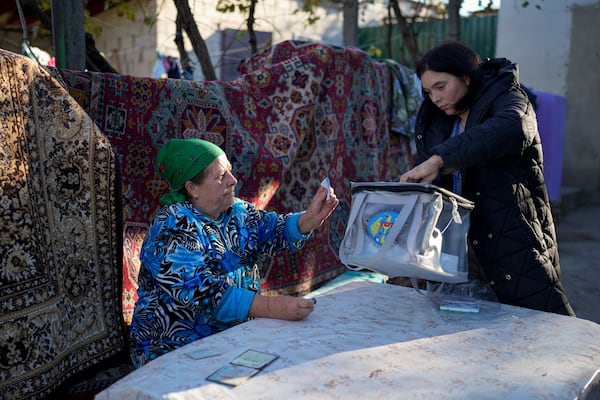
445 90
216 193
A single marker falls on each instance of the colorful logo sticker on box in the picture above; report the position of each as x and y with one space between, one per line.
379 226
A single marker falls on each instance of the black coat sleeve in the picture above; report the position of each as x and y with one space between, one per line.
505 126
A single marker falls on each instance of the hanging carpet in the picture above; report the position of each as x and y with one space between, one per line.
299 112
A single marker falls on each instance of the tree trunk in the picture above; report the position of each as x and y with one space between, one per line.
68 34
198 44
350 27
454 19
250 25
94 60
407 37
186 64
388 43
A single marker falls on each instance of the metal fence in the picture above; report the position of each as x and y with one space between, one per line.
478 32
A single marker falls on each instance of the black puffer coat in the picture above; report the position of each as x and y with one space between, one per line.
500 154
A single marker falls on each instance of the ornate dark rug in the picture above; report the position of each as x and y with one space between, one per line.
298 113
60 243
86 387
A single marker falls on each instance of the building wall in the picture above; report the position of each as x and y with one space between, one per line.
555 47
538 40
582 144
132 46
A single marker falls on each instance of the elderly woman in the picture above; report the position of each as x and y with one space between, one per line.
199 272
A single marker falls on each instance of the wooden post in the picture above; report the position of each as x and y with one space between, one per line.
454 19
350 24
68 34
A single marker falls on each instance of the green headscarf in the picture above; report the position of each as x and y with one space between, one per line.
180 160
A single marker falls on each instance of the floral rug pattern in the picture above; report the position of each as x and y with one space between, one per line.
299 112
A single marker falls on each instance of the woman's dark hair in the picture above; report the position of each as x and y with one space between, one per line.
457 59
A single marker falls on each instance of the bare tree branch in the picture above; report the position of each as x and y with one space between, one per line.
184 14
407 37
250 25
183 55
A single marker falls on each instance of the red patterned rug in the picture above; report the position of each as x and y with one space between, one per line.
298 113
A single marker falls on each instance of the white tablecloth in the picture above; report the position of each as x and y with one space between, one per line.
378 341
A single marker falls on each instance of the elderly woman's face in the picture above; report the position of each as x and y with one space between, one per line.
217 192
444 90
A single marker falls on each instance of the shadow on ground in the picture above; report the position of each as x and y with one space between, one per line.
578 232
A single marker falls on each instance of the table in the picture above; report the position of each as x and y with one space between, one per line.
378 341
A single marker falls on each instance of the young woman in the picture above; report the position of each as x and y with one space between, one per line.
477 134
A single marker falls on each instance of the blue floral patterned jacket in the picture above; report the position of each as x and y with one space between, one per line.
198 276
